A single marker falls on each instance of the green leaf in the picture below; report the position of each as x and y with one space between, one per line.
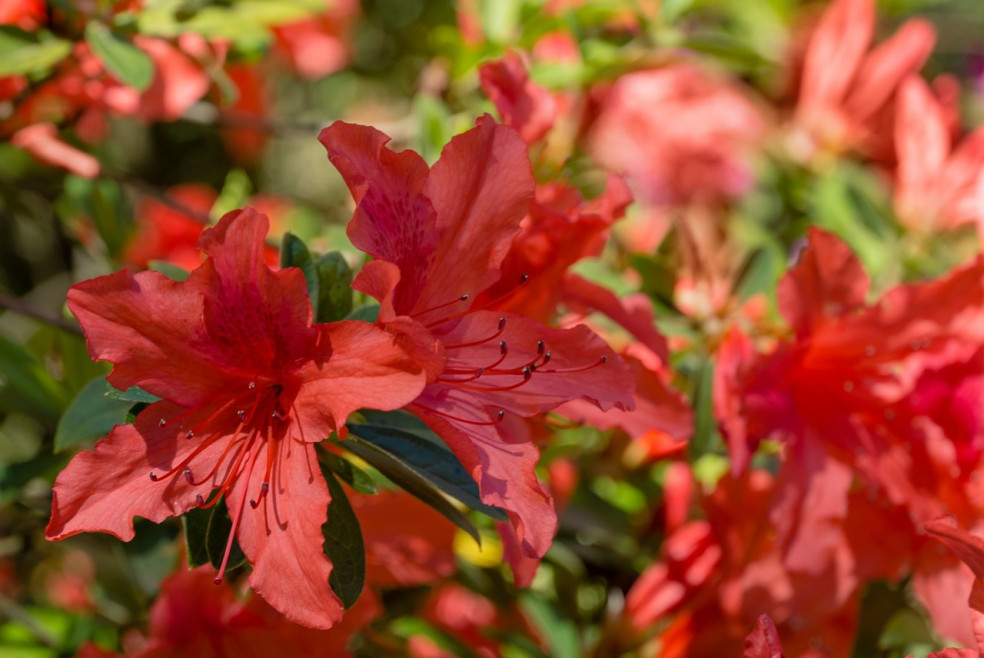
343 544
423 453
352 475
294 253
22 53
170 270
206 536
411 481
132 394
127 63
91 414
334 300
561 634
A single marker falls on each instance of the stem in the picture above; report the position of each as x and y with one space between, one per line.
21 307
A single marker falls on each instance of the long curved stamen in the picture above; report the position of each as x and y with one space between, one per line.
239 516
489 304
501 328
498 418
462 298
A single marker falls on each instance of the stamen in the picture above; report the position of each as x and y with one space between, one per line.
601 361
235 521
502 326
498 417
463 298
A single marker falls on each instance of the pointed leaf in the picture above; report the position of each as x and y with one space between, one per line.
410 480
343 544
334 288
132 394
425 454
127 63
352 475
294 253
93 413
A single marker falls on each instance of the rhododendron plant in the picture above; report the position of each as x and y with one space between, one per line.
606 328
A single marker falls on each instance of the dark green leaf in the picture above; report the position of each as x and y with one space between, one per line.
206 536
411 481
353 476
22 53
334 291
423 452
294 253
132 394
127 63
91 414
343 544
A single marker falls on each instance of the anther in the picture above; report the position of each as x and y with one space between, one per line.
527 373
199 500
540 347
162 423
546 359
503 347
523 279
187 476
463 298
604 358
190 434
153 476
242 415
502 323
252 385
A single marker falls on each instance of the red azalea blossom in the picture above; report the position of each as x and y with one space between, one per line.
248 385
439 237
847 94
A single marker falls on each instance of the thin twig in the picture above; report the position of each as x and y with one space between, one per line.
21 307
168 200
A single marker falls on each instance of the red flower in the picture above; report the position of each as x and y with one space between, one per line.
936 184
439 237
192 618
838 394
847 93
248 385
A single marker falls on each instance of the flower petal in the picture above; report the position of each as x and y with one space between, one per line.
393 221
103 489
828 281
505 471
282 536
481 188
355 365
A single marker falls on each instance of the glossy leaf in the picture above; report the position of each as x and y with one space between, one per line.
93 413
411 480
334 291
206 535
425 454
352 475
343 544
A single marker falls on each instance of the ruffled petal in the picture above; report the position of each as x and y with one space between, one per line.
282 536
505 471
103 489
481 188
151 328
355 365
393 221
